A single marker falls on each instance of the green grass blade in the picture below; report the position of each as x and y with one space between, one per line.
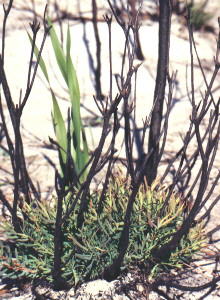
72 79
58 51
75 103
82 146
41 62
59 128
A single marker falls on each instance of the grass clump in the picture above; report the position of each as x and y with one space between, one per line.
87 251
198 16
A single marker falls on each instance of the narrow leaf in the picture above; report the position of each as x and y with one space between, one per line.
58 50
59 128
41 61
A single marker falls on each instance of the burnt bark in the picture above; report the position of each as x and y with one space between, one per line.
159 93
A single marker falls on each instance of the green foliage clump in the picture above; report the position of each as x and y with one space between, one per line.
198 16
89 250
70 138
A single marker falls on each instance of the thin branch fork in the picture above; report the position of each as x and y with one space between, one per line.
22 181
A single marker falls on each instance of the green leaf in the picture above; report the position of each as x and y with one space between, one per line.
58 51
59 128
74 92
41 61
74 95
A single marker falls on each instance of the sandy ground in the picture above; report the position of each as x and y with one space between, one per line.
36 118
37 114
